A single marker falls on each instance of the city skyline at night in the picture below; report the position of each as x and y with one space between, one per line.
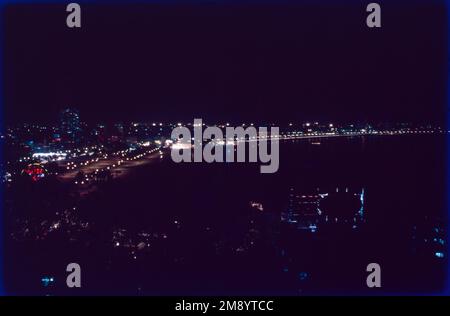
225 149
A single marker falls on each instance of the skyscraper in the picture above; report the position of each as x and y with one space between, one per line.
70 125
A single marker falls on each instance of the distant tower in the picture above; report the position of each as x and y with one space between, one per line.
70 124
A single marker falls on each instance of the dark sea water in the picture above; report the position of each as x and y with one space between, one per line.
402 172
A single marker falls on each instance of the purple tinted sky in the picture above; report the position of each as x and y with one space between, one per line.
237 63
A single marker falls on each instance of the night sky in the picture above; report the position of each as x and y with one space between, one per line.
235 63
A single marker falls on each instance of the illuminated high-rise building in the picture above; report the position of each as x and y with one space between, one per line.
70 125
308 210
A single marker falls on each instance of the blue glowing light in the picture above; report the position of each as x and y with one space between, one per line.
303 276
47 280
